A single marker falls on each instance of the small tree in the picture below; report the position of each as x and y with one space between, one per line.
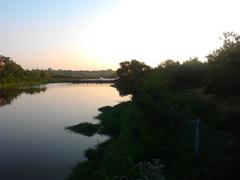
130 76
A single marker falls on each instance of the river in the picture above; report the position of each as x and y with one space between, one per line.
33 142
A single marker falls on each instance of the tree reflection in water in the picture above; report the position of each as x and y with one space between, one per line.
8 95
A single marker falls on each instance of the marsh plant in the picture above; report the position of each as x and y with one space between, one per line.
144 170
151 170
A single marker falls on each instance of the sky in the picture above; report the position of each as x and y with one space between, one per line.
99 34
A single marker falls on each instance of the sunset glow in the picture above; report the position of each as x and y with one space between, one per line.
100 34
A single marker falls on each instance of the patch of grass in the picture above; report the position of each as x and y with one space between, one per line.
85 128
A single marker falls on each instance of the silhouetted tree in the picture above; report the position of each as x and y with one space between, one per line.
130 76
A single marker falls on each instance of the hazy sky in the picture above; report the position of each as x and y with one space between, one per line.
98 34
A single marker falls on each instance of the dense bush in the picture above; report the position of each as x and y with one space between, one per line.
224 66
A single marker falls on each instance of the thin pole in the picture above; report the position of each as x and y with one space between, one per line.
197 137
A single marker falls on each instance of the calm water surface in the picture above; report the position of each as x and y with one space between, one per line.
33 142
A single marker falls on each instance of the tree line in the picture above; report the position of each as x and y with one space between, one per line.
11 72
219 74
173 95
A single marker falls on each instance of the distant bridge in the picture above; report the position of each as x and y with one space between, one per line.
93 81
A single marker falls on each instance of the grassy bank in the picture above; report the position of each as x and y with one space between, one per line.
137 138
106 160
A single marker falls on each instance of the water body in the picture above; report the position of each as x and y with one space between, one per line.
33 142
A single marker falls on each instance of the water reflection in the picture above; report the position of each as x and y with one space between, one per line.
8 95
33 142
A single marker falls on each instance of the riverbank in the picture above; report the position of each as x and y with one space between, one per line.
123 146
136 138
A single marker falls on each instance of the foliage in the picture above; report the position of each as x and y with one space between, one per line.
143 170
171 96
130 76
11 72
189 74
168 134
224 66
